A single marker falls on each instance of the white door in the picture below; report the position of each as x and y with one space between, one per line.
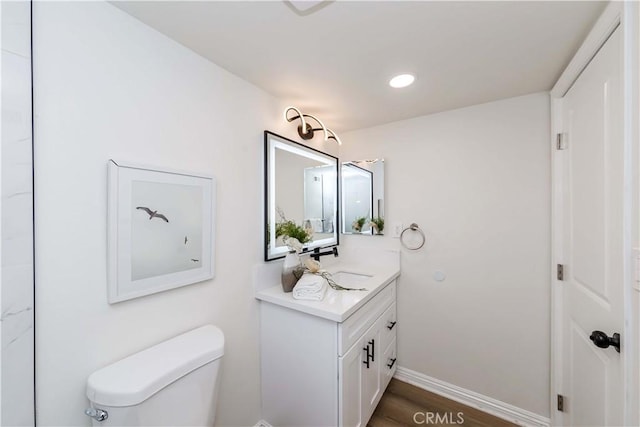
593 249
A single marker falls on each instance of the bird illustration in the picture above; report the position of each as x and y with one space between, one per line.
185 240
152 214
195 260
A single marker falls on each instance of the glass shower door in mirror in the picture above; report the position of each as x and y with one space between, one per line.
363 197
319 204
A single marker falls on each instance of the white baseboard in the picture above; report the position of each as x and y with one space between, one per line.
263 423
470 398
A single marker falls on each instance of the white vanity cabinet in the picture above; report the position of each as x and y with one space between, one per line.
322 372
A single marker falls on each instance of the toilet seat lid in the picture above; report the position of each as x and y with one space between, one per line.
134 379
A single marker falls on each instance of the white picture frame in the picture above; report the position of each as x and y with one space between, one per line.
161 230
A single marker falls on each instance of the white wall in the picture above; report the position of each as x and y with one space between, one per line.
106 86
17 213
477 181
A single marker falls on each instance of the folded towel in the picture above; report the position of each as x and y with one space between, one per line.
311 282
310 287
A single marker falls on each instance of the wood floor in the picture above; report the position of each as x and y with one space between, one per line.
405 405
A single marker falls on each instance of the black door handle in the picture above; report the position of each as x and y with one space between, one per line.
368 355
392 362
600 339
391 325
373 350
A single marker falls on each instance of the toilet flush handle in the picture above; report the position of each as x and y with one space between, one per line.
97 414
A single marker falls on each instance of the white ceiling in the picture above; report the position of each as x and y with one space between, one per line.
335 62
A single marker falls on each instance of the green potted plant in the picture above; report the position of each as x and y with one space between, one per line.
377 224
295 237
290 229
358 223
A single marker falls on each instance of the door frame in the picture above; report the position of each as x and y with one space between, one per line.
627 16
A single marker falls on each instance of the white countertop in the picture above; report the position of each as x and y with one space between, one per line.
337 305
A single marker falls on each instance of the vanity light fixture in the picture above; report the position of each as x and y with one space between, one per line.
402 80
305 130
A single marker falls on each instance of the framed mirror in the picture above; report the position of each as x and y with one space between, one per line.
301 196
363 197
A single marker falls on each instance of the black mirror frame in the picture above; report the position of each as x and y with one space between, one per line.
338 199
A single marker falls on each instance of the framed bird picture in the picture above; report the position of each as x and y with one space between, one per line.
160 230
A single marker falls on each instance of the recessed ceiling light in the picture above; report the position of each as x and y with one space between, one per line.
402 80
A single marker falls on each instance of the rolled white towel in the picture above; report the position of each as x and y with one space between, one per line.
310 287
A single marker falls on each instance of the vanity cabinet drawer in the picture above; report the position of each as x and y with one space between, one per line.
352 329
388 326
389 363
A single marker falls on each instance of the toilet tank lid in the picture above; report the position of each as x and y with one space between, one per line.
134 379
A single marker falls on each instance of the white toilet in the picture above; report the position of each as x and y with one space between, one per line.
173 383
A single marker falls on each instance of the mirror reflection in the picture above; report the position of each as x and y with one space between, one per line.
363 197
301 196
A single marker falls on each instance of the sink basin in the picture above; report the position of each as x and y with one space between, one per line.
346 278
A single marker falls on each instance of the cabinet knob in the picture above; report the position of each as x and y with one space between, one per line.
391 325
393 362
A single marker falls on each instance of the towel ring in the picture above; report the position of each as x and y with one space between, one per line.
413 227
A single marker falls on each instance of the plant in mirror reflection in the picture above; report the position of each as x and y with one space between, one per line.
289 230
358 223
377 224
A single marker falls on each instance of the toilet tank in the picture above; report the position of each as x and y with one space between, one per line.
173 383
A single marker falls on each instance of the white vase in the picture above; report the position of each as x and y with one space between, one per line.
290 267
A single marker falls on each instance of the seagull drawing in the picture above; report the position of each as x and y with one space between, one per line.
185 240
195 260
152 214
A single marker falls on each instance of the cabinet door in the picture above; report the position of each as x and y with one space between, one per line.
388 326
388 362
350 390
371 372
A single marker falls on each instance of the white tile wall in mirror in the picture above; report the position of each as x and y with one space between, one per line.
16 290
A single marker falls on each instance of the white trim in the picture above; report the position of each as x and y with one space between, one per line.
631 134
471 398
599 34
557 257
625 14
263 423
